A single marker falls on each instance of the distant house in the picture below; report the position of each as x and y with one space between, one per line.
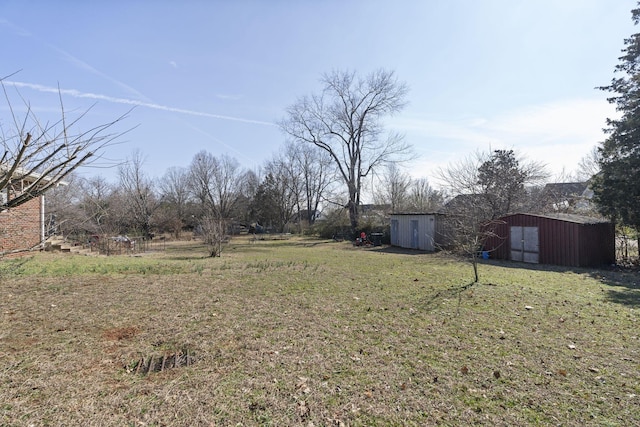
374 213
560 239
21 227
423 231
567 197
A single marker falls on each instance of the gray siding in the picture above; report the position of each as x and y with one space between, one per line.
413 231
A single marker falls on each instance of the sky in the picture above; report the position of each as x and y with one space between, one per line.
219 75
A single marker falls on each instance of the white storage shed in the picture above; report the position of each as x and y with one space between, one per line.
423 231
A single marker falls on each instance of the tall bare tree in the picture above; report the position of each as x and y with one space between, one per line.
249 185
36 156
345 120
423 197
216 183
316 172
96 201
174 199
63 214
289 183
393 188
138 197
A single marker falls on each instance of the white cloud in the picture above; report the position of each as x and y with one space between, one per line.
558 134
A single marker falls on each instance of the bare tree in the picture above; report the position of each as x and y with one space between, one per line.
249 184
315 170
284 184
467 230
214 234
36 156
484 187
393 188
423 197
589 165
81 208
63 213
174 198
345 120
138 196
96 202
215 182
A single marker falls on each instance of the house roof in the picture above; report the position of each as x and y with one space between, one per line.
417 213
22 174
564 189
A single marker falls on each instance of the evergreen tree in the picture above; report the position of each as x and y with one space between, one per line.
617 186
502 180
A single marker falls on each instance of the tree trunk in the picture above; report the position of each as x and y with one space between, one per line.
353 218
474 261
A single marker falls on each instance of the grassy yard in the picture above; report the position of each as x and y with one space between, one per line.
314 333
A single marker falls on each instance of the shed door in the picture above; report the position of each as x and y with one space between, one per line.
524 244
395 230
415 240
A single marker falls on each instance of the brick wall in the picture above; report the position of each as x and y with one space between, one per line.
20 227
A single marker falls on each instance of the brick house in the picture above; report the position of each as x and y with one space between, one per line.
21 227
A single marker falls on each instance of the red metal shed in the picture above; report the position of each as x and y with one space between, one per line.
560 239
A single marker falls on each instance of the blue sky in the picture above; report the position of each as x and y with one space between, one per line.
218 75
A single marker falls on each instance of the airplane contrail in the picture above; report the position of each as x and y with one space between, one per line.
77 94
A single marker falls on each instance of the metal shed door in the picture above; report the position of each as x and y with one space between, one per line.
524 244
395 230
415 239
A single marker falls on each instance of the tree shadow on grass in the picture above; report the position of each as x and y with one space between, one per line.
452 293
625 279
627 282
629 297
396 250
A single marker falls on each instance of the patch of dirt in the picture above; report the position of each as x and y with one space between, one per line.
119 334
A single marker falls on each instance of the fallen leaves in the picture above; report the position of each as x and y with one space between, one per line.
303 410
302 385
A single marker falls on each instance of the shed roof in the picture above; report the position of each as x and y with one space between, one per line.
578 219
417 213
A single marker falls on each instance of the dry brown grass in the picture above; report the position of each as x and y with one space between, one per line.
303 332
